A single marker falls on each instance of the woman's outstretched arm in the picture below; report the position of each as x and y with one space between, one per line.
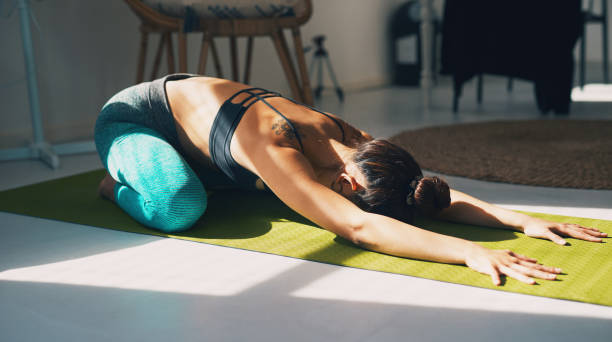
467 209
292 179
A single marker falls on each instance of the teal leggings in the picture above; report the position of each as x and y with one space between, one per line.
137 143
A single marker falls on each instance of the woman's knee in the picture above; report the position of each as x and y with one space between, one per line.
180 209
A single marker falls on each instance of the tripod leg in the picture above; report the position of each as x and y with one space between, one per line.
312 64
334 80
316 91
319 89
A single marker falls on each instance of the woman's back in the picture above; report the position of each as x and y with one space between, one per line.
195 103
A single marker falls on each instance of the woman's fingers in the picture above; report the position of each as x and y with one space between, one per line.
498 262
592 231
548 269
522 257
587 230
524 269
516 275
579 233
554 238
533 271
494 276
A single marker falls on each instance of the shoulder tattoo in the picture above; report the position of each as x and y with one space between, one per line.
282 127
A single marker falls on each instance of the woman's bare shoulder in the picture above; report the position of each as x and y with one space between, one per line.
352 135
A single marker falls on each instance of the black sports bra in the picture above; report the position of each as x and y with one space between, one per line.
225 123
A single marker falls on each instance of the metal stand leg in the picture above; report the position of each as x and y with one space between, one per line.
319 78
334 80
39 149
321 56
426 45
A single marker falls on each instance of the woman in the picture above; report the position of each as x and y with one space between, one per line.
164 142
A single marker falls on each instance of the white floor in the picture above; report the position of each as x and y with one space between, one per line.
67 282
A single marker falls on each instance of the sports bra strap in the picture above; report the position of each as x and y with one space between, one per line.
260 94
255 99
250 92
320 112
262 97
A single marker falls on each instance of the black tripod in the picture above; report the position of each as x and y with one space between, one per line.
320 55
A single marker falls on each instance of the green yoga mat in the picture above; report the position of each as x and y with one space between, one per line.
260 222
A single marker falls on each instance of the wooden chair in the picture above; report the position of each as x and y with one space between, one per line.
152 21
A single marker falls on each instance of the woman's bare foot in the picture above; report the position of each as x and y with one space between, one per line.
106 189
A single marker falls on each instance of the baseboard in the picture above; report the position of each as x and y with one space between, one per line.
57 134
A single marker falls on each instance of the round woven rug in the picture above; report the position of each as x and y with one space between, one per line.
553 153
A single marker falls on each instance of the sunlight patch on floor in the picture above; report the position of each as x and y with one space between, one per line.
594 92
344 284
184 268
595 213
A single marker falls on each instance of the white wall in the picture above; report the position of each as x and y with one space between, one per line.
87 50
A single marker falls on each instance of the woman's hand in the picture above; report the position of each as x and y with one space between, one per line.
539 228
519 267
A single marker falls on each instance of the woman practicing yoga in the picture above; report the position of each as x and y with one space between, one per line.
164 142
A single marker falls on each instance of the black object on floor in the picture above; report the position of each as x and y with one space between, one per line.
530 40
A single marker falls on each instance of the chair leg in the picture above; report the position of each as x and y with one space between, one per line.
249 57
182 50
604 37
203 53
582 56
457 89
479 89
158 55
213 50
170 52
234 57
142 54
301 61
510 84
283 53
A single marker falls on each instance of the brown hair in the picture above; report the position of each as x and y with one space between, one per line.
389 170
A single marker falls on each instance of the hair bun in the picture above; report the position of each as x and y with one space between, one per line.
432 194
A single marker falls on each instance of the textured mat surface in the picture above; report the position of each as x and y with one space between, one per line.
260 222
557 153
